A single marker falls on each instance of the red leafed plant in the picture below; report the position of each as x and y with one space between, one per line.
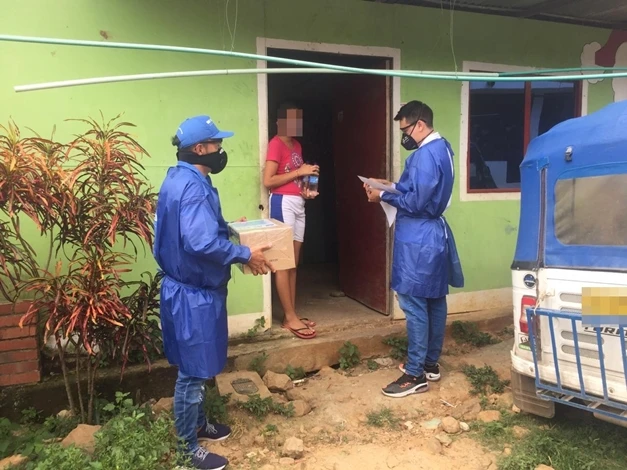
91 198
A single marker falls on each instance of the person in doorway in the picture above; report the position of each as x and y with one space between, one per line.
283 174
425 260
193 250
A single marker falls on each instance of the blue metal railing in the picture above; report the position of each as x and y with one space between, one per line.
533 317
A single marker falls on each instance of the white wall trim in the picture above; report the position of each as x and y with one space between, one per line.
468 66
463 302
263 44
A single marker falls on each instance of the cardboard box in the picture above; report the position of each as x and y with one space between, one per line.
258 233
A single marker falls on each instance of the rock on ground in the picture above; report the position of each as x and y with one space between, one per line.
286 461
468 410
444 439
165 405
277 382
83 437
293 447
450 425
13 461
519 432
301 408
489 416
433 446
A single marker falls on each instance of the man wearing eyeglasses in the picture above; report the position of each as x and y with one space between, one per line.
425 258
193 250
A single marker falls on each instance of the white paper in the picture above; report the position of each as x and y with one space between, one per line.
381 187
390 211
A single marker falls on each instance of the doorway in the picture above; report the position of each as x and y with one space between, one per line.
344 269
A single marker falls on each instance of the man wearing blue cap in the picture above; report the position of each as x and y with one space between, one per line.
193 250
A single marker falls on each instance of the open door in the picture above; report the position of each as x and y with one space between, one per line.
360 147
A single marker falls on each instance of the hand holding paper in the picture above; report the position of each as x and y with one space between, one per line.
390 211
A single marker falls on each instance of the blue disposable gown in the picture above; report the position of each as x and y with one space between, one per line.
425 258
193 250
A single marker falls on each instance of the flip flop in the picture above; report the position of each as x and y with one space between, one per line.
308 322
295 332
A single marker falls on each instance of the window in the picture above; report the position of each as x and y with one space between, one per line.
591 211
503 117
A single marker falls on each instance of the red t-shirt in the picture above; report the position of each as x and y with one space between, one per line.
289 159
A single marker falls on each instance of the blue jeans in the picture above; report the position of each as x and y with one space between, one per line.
189 415
426 324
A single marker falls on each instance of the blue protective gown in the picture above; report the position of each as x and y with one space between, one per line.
193 250
425 258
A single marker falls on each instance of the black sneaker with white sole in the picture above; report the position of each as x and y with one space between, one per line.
432 372
213 432
406 385
204 460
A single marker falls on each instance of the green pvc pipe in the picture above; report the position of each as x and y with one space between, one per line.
562 70
242 55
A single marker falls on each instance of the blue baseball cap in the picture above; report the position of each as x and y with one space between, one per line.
199 129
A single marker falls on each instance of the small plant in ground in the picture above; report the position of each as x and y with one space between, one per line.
349 356
260 324
385 417
399 347
465 332
257 363
262 407
372 365
270 430
60 427
30 416
56 457
484 380
136 442
215 406
295 373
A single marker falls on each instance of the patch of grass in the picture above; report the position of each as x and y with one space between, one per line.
262 407
30 416
566 444
385 417
484 380
464 332
295 373
349 356
372 365
270 430
55 457
60 427
399 347
215 406
257 363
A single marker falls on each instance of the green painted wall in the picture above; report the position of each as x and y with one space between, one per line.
485 231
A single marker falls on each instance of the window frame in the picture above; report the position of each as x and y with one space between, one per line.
503 194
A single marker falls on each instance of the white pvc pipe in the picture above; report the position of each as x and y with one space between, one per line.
194 73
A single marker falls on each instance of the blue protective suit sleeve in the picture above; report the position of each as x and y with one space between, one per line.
199 233
418 190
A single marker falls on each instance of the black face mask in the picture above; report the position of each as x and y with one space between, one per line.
409 143
215 160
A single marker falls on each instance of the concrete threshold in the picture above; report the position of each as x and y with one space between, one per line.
280 347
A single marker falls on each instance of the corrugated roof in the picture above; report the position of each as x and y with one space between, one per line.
601 13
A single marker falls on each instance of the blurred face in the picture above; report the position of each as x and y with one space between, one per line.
290 123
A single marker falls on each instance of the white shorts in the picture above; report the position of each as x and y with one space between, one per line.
291 211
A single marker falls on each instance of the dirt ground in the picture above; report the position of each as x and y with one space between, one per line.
336 434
